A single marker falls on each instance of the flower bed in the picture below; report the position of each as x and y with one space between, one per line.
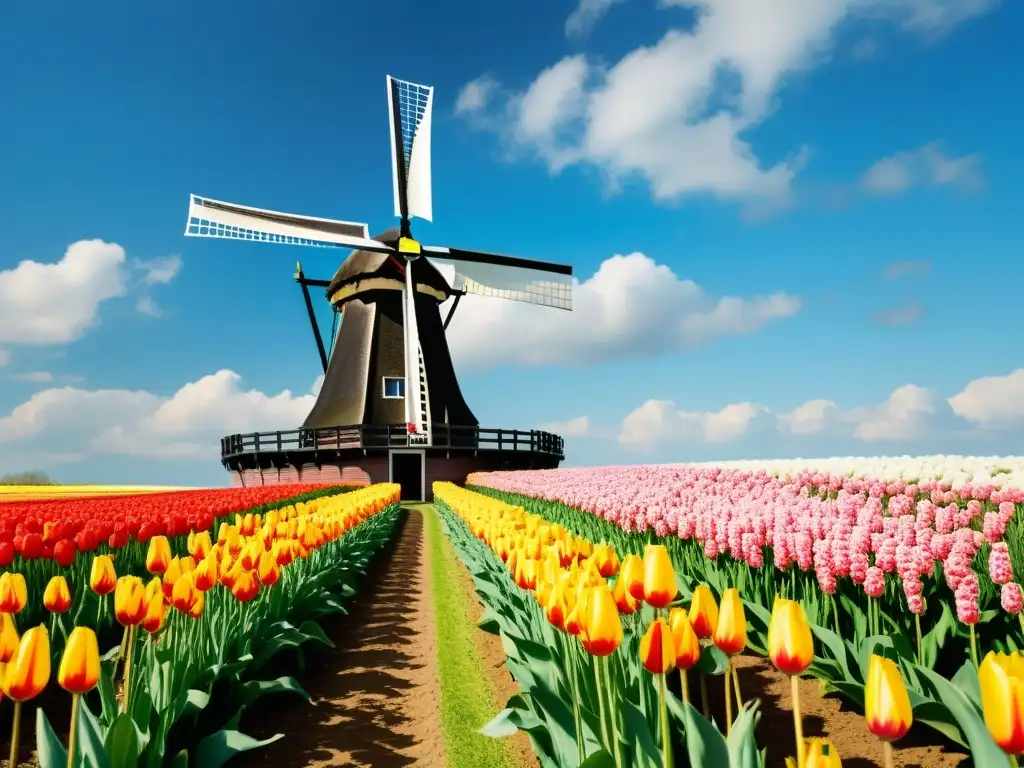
188 635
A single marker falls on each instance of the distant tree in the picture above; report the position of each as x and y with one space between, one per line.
31 477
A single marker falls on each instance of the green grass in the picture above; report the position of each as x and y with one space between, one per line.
467 702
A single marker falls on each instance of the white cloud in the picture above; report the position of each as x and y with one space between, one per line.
35 377
475 95
578 427
159 271
186 425
57 303
992 400
585 16
927 166
146 305
909 414
907 313
677 113
631 308
907 268
662 421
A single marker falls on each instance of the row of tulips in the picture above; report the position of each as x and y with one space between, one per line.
852 608
194 636
637 618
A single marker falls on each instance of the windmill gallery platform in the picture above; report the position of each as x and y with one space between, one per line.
377 454
390 408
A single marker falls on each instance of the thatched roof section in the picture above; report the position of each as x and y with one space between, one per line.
361 265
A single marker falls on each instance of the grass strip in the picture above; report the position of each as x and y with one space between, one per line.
467 702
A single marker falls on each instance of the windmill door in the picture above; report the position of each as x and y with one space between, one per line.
405 467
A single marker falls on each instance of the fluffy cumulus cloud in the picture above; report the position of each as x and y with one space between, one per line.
910 415
928 166
585 15
578 427
69 423
678 112
56 303
632 307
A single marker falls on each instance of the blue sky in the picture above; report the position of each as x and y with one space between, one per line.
844 173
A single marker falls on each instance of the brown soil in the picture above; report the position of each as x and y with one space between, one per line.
824 716
374 695
492 659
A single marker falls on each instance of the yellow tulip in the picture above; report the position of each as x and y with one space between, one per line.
632 576
657 651
790 644
703 611
603 626
8 638
79 669
103 577
886 703
27 673
684 639
818 753
1001 676
731 631
158 556
130 601
659 577
13 592
57 596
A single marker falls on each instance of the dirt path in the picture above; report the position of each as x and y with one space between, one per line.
374 696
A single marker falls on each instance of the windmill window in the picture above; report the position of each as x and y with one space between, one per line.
394 388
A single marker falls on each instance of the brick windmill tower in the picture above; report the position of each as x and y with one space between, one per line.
390 407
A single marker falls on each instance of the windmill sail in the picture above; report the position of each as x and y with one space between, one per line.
412 352
409 107
506 277
215 218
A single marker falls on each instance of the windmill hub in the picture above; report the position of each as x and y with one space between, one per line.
389 385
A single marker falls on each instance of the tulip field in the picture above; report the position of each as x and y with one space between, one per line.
633 606
623 595
148 619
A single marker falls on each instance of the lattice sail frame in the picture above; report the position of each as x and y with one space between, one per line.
414 106
530 286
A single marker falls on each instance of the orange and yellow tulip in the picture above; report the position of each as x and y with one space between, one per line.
657 651
603 626
626 603
9 639
684 639
158 556
555 607
25 676
102 576
818 753
13 592
632 576
57 596
183 594
886 703
606 560
1001 676
199 544
156 611
703 612
130 601
245 587
660 587
79 669
790 644
731 630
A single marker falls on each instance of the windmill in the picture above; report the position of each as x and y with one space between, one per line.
390 280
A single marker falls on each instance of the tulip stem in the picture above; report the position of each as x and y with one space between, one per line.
574 684
728 697
887 754
15 734
705 704
600 702
666 739
684 685
129 648
613 710
798 721
73 734
974 646
921 650
736 685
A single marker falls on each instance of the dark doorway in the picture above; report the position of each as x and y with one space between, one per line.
407 471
